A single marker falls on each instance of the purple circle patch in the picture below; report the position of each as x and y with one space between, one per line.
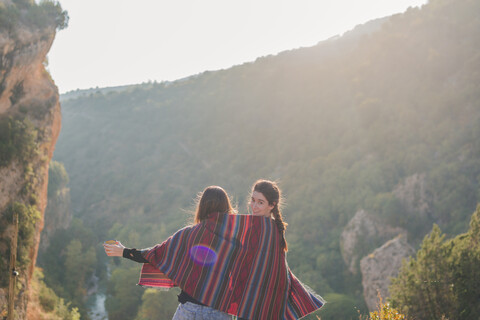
203 255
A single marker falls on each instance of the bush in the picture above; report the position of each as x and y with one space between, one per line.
27 219
386 312
17 140
65 313
47 297
55 307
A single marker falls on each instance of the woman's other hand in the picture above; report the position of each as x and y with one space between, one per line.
114 250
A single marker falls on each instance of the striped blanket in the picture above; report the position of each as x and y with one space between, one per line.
232 263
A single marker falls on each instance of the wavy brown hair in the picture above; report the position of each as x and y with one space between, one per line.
272 193
212 199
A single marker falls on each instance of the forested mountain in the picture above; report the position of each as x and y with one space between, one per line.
340 125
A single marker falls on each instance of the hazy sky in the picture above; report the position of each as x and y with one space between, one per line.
118 42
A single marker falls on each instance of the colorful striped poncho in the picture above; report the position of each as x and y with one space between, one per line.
232 263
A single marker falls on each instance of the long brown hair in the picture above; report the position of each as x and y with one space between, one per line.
272 193
212 199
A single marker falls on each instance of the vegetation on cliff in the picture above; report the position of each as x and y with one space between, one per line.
28 124
33 15
19 144
17 140
45 304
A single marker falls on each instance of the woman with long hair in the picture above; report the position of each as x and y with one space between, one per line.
266 200
232 264
212 200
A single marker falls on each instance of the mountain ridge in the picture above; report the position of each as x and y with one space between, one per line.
339 124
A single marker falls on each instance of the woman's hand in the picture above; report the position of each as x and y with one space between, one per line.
114 250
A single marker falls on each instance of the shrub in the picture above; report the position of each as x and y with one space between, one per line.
27 219
385 312
47 297
17 140
55 307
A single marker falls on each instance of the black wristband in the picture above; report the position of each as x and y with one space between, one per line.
134 255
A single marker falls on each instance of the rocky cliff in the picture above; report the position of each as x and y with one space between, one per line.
362 235
375 248
380 266
414 196
29 125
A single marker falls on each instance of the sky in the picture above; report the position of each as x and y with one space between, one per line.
120 42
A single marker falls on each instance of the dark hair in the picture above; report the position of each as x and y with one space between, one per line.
212 199
272 193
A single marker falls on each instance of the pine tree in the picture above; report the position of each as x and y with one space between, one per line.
442 281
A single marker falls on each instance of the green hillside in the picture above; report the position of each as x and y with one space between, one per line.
339 125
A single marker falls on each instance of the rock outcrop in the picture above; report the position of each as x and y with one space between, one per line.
361 235
30 100
364 234
414 196
380 266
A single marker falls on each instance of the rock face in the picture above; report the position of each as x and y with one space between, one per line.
28 96
380 266
361 235
414 196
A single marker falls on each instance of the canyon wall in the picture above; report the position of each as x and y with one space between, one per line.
30 121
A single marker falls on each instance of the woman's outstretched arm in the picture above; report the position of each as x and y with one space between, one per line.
118 250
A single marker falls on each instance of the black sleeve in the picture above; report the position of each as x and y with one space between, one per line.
135 255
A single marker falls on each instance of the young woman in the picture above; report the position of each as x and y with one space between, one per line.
266 200
234 264
213 199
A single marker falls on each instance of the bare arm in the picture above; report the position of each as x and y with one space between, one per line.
119 250
114 250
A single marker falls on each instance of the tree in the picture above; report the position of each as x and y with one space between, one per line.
157 304
57 178
466 271
123 297
338 306
79 262
442 281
